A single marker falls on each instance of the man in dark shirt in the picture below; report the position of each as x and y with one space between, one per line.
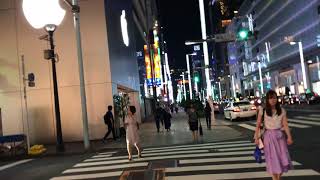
109 121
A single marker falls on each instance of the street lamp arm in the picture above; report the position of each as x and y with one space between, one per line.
74 8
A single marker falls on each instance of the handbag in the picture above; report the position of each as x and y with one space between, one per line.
262 130
200 129
257 154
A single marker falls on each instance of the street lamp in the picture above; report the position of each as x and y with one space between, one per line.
233 86
184 86
260 75
189 73
205 46
48 14
220 93
303 68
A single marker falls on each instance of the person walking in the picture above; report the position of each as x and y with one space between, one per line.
109 121
159 117
276 137
213 118
176 108
207 112
193 122
167 119
132 135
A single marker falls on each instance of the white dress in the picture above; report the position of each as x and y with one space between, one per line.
213 119
132 135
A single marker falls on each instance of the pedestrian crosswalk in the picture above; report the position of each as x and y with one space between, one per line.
216 160
300 122
10 165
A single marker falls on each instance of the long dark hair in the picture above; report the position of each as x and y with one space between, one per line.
271 94
132 109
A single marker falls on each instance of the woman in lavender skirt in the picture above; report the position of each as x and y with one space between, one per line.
276 138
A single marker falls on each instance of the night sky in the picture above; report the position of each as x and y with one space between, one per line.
181 22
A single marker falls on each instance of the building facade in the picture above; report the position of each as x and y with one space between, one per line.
110 68
275 24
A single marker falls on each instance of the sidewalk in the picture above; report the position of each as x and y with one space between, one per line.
179 134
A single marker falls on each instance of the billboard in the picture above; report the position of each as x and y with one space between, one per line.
148 66
157 64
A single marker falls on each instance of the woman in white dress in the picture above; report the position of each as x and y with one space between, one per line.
132 135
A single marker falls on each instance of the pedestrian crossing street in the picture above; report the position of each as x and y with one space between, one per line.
301 122
217 160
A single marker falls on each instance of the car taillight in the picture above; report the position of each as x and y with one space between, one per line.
236 109
253 108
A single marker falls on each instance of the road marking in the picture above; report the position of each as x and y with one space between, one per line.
196 145
14 164
95 158
251 175
252 128
291 125
203 147
178 151
213 160
107 153
307 118
305 122
298 125
164 157
89 176
218 167
237 149
100 168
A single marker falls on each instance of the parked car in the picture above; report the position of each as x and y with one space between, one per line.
241 109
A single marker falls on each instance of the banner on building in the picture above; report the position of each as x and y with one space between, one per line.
157 64
148 66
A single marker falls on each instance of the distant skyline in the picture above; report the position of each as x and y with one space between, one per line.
182 22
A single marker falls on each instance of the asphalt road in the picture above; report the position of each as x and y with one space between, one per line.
227 159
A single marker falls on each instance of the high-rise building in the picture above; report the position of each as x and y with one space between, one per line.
220 14
285 33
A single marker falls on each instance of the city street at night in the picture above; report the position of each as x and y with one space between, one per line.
159 89
224 152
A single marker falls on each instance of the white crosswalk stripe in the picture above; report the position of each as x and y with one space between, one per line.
223 160
305 122
307 118
300 122
291 125
14 164
315 115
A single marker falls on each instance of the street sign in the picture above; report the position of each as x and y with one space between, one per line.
225 37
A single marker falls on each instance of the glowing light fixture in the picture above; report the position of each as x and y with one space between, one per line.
124 28
42 13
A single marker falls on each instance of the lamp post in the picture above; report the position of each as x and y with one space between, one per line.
261 80
189 77
303 68
39 15
233 86
205 46
189 73
220 94
184 86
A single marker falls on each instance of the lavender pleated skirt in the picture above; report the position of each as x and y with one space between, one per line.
276 152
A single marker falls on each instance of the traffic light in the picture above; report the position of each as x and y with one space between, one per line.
196 77
243 34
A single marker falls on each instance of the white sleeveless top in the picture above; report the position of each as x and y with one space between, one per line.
274 121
